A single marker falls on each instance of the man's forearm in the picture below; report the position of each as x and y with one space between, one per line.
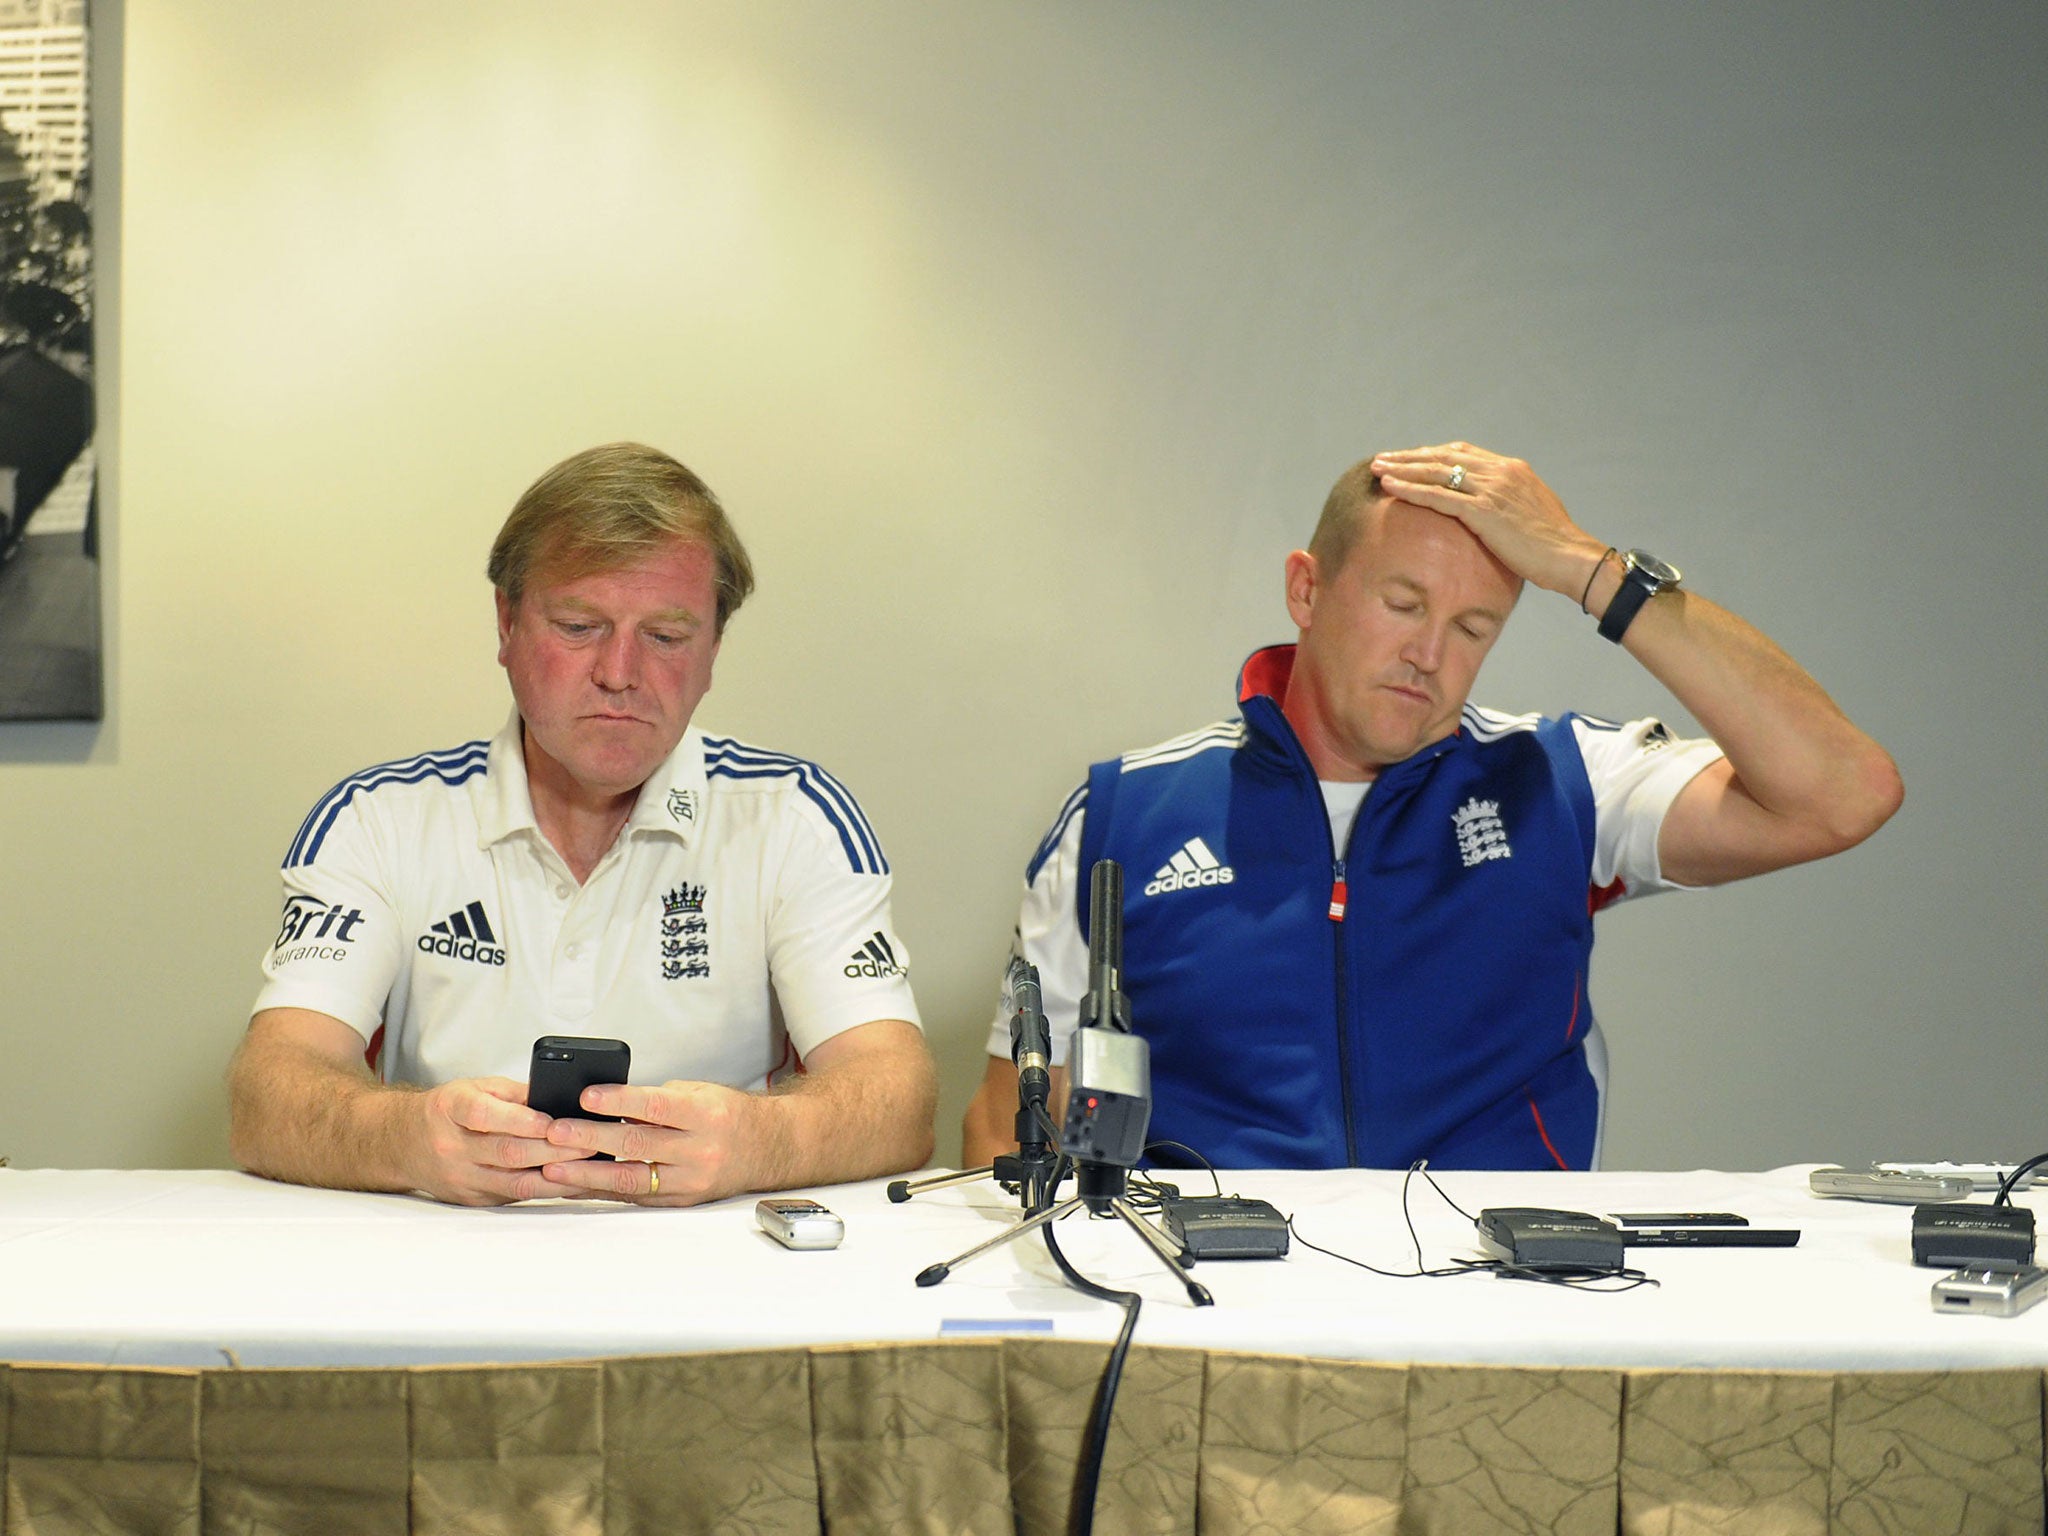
1794 751
859 1118
297 1116
989 1128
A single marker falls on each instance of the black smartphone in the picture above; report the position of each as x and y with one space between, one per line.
1681 1219
564 1065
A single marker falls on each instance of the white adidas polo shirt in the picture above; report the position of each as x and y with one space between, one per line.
741 918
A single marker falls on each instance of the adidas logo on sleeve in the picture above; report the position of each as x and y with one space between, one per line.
875 958
1193 865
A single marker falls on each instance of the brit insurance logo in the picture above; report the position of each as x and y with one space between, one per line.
315 930
682 805
1480 833
464 934
685 935
875 958
1194 865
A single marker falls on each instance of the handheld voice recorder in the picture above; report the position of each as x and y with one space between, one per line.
799 1223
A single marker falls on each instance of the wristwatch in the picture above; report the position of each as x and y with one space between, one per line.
1643 576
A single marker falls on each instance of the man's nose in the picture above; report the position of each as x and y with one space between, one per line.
616 664
1425 648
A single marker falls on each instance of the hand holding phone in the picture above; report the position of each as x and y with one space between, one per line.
702 1137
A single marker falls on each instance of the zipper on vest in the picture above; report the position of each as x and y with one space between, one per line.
1340 899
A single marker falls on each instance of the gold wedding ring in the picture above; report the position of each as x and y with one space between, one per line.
653 1180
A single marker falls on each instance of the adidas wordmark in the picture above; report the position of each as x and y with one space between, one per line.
1194 865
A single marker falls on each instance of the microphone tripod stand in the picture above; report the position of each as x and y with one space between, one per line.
1107 1112
1103 1190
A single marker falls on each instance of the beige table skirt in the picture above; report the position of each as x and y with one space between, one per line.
984 1437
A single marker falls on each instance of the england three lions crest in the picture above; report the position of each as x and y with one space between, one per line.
684 949
1480 834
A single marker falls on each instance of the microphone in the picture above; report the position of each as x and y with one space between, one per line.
1105 1004
1030 1038
1109 1097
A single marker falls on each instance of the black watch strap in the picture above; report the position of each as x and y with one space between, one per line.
1643 576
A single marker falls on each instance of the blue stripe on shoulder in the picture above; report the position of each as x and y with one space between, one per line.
457 765
729 759
1051 840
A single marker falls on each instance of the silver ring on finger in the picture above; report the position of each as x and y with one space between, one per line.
1457 481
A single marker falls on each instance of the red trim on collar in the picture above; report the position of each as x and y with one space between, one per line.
1266 672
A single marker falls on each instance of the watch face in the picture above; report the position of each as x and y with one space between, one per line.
1659 571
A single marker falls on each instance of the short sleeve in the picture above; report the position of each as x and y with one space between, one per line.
1048 931
835 959
338 948
1637 769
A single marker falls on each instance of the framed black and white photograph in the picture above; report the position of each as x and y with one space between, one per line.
50 636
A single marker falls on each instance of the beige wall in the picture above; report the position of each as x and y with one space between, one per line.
1022 343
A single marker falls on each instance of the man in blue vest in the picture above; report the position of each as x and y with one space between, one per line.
1358 918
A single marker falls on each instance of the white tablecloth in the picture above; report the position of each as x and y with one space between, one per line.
205 1268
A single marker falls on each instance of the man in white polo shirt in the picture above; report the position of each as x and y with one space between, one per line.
600 867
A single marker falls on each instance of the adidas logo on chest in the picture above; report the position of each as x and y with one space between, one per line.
464 934
1192 866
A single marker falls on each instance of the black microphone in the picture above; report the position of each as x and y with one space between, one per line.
1030 1039
1109 1089
1105 1005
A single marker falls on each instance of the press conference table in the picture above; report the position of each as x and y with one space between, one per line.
198 1268
226 1279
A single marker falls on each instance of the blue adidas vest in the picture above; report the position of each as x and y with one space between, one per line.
1442 1015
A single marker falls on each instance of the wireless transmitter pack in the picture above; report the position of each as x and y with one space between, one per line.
1226 1227
1971 1235
1531 1238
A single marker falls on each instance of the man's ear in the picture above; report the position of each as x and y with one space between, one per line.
504 623
1301 587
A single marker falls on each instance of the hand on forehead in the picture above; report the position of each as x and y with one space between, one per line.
1405 538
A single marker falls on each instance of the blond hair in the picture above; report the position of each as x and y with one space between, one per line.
1343 517
610 507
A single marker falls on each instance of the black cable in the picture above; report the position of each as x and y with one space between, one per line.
1421 1270
1571 1279
1045 1119
1422 1167
1181 1146
1391 1274
2012 1180
1060 1168
1408 1215
1574 1279
1088 1474
1150 1194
